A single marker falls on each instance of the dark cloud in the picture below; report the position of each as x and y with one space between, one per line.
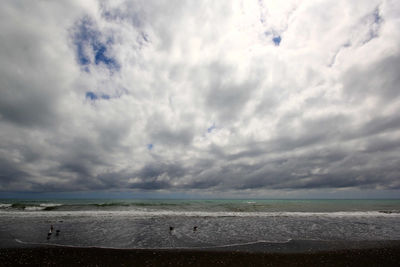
226 96
156 176
153 171
175 133
11 175
379 80
29 109
380 124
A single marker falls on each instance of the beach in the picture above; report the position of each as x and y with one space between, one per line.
69 256
200 233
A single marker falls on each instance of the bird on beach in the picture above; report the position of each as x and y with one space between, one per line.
194 228
50 232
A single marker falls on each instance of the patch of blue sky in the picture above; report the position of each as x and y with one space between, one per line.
89 44
101 57
92 96
82 37
82 57
277 40
106 97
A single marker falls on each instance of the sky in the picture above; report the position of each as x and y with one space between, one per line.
196 98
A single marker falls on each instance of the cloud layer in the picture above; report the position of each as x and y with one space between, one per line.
208 97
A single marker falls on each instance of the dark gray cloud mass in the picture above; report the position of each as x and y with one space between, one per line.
199 97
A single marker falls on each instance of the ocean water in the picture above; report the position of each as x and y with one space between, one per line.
219 223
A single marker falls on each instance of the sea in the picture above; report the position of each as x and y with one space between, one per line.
196 224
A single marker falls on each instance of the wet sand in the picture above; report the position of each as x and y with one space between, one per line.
68 256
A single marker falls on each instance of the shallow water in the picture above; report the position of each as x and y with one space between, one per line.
145 224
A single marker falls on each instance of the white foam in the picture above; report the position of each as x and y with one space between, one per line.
2 205
33 208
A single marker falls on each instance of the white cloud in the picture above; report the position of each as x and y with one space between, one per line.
86 87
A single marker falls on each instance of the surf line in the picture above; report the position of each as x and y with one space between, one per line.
159 248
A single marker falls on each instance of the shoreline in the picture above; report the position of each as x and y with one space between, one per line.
290 246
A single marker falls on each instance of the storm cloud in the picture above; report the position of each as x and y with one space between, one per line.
220 98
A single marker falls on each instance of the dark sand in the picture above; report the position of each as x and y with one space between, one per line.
69 256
